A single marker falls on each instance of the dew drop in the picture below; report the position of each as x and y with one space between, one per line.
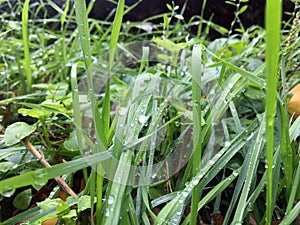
123 111
185 194
195 181
211 162
218 155
200 176
8 191
235 173
107 212
230 85
142 119
110 200
227 144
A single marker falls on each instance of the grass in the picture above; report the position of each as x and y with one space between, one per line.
177 130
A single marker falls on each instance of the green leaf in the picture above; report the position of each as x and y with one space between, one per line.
71 143
23 199
243 9
6 166
254 93
169 7
35 113
15 132
61 206
71 214
55 105
84 203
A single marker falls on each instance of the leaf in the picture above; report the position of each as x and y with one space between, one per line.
61 207
6 166
169 7
243 9
254 93
23 199
15 132
84 203
55 105
71 143
293 105
35 113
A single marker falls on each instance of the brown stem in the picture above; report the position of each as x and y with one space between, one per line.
44 162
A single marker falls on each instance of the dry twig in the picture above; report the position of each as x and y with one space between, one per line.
44 162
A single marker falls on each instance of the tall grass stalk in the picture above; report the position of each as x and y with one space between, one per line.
197 71
273 21
84 36
27 61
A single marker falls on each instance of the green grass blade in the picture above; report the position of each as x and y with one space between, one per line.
214 193
292 215
27 61
116 27
295 189
116 32
273 21
45 174
174 209
84 36
286 150
76 108
197 71
251 173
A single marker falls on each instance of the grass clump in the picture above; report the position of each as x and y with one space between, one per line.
172 130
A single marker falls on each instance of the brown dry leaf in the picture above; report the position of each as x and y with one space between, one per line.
252 220
217 219
293 105
50 221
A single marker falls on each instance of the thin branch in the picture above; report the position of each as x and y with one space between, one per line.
44 162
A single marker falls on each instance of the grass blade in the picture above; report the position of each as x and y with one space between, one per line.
27 61
251 172
44 174
273 21
197 71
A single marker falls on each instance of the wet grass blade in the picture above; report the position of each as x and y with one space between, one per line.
45 174
292 215
172 212
116 32
214 193
27 61
273 21
251 173
197 71
294 191
286 149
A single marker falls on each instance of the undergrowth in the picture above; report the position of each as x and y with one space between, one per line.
135 123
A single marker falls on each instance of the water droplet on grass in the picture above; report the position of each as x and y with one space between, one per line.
227 144
110 200
185 194
195 181
235 173
123 111
8 191
142 119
